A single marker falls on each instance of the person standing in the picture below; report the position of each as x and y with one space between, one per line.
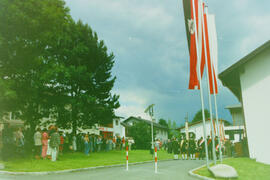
86 145
19 141
123 143
118 142
54 143
184 149
130 142
74 144
91 143
61 146
38 143
175 148
99 143
110 144
44 140
169 144
210 148
192 148
8 143
201 147
114 142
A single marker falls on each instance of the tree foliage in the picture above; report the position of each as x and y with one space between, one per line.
27 30
50 64
198 116
163 122
141 133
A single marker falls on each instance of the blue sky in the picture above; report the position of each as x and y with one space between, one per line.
149 42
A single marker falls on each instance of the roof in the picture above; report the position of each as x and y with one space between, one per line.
235 106
125 122
230 77
198 122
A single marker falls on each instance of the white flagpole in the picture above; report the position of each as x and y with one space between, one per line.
215 100
200 81
208 86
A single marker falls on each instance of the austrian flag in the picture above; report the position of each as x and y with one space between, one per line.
191 28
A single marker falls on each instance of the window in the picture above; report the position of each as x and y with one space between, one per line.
117 122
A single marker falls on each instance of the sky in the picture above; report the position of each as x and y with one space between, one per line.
149 42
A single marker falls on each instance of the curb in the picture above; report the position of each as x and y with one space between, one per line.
197 175
75 170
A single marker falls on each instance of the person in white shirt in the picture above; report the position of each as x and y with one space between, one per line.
38 143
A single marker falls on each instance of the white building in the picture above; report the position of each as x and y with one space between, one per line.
235 133
249 81
197 128
114 129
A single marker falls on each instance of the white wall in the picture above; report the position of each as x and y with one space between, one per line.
237 117
162 135
255 86
198 129
118 128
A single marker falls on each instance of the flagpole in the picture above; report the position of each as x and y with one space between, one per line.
200 82
208 86
216 109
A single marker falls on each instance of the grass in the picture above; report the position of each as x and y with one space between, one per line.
246 168
79 160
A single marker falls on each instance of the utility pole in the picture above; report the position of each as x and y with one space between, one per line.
150 111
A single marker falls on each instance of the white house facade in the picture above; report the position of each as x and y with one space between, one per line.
197 129
251 86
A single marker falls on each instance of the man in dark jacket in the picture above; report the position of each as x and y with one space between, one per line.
175 148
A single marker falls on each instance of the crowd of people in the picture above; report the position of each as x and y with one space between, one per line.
188 148
50 143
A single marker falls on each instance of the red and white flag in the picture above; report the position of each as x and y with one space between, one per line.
193 24
211 51
213 47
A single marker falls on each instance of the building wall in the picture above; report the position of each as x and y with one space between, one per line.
237 117
118 129
198 129
162 135
237 137
255 86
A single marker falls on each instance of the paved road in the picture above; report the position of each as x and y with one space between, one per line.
171 170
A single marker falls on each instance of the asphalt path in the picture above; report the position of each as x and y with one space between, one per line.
171 170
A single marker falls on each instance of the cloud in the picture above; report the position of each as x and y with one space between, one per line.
149 41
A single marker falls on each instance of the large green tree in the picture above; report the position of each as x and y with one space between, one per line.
50 64
82 78
198 116
28 28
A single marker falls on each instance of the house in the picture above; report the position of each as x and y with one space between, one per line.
114 129
161 131
196 128
235 133
249 80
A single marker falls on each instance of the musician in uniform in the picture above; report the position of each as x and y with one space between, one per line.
201 147
192 148
184 149
210 148
175 148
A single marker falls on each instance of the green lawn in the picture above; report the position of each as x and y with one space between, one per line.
246 168
79 160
